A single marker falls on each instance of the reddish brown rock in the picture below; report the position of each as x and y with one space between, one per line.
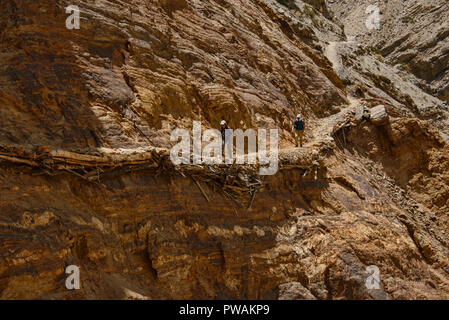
81 184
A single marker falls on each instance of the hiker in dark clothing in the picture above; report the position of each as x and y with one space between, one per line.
299 124
224 126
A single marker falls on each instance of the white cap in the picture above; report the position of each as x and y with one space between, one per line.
223 122
298 116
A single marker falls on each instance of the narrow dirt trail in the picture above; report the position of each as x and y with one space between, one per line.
331 52
316 135
326 125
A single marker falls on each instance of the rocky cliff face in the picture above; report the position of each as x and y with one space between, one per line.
86 119
134 71
412 34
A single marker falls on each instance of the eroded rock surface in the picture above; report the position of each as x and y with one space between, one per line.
82 182
412 33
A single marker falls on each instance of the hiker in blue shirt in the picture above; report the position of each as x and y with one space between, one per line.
299 124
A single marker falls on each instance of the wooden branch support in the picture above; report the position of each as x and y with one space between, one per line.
76 174
230 169
235 182
252 200
201 189
18 160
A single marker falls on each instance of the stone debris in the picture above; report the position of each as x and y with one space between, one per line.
379 115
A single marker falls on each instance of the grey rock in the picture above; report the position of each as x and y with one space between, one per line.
379 115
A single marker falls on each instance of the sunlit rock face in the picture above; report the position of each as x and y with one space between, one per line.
134 71
411 33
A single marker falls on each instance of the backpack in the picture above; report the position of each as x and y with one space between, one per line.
299 125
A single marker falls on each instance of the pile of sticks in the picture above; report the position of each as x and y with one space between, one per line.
85 166
234 182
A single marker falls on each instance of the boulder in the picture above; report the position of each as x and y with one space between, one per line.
379 115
